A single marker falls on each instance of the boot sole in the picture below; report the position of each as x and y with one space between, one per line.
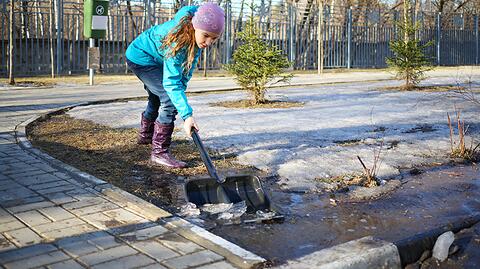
165 164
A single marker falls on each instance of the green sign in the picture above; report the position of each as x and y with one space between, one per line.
95 18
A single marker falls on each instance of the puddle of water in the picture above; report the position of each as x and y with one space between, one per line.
423 202
296 199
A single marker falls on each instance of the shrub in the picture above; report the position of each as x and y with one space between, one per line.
256 63
409 61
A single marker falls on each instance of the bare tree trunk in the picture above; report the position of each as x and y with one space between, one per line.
240 16
125 41
440 5
25 20
269 15
39 17
320 37
77 32
144 21
417 9
238 27
11 79
262 11
50 39
406 9
130 13
177 5
406 37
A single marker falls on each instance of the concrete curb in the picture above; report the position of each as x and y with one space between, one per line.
363 253
233 253
412 248
242 258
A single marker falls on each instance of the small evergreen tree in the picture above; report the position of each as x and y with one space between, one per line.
255 63
409 61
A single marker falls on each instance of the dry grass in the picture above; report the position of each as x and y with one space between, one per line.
73 79
348 142
113 155
458 147
83 79
369 176
31 83
342 181
251 104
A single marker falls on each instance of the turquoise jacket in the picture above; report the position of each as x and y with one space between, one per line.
146 50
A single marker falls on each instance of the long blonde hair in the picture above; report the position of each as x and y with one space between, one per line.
182 36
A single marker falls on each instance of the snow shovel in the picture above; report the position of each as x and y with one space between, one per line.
232 189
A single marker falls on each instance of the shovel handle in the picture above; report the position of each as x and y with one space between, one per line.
205 158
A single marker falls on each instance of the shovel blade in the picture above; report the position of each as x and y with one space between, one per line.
234 190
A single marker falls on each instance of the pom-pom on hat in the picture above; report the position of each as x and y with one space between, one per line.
209 17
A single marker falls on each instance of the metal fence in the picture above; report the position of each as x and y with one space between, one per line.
350 37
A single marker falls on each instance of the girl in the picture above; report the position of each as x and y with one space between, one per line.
163 58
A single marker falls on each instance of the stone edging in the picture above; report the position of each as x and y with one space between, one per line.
233 253
364 253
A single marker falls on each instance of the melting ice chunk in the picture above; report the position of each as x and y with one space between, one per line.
236 211
189 210
216 208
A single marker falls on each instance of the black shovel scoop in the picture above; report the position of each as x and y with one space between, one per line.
232 189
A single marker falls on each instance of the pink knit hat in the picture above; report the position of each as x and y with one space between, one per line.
209 17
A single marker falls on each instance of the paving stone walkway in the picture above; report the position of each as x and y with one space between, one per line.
49 219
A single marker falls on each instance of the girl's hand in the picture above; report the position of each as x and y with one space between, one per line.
189 124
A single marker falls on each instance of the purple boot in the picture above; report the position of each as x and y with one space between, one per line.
145 132
162 137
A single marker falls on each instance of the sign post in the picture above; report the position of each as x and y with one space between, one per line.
95 21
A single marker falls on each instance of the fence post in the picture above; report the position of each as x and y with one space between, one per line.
50 38
320 38
153 12
91 71
11 24
395 20
205 66
228 32
59 36
147 14
292 16
439 36
293 35
349 37
476 35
